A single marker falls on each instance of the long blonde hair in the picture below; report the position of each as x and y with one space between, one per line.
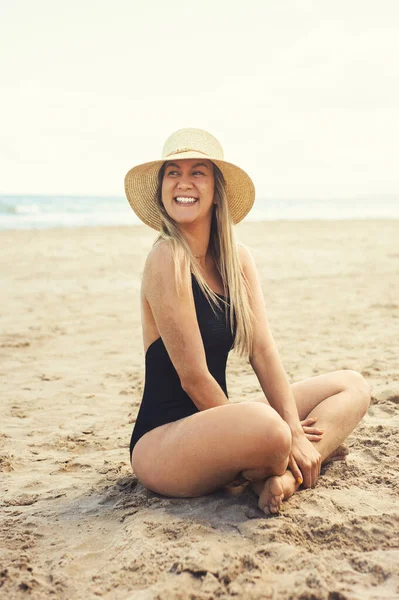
223 247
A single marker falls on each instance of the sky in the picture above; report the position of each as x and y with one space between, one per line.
302 94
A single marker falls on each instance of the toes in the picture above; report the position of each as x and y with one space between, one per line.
278 501
274 505
263 504
271 497
339 454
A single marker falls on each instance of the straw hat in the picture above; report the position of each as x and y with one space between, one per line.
141 182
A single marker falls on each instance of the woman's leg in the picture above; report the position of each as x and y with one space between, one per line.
339 400
206 451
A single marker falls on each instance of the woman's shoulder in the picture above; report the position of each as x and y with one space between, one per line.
160 255
160 269
245 256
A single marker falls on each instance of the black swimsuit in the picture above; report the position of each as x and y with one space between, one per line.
164 399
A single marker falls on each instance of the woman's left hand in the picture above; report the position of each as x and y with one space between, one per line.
314 434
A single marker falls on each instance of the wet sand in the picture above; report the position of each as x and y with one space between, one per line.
75 523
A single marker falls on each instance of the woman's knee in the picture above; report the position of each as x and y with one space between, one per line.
360 389
269 433
270 446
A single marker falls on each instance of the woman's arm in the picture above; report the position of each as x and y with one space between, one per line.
265 358
267 365
177 324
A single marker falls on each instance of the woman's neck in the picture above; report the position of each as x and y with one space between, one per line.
198 242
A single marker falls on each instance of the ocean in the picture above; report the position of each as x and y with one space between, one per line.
43 212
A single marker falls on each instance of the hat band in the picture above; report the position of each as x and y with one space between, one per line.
181 150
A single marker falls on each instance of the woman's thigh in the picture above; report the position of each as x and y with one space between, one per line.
203 452
310 392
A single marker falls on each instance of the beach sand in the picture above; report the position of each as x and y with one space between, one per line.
76 524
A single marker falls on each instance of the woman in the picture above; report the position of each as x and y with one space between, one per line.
200 297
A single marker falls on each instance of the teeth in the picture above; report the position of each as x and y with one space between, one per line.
185 200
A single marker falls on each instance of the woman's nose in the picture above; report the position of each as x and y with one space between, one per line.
184 183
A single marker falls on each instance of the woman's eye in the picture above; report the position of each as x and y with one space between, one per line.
198 173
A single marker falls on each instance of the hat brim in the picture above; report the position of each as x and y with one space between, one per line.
141 184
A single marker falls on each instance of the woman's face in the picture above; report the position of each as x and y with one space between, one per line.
188 187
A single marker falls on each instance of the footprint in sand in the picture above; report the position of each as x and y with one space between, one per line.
72 466
45 377
14 341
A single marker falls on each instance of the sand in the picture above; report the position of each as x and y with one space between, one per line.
75 522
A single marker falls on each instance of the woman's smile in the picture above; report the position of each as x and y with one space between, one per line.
186 200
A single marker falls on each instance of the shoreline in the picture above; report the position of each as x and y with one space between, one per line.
249 222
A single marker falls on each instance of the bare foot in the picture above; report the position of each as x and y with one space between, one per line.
339 454
273 491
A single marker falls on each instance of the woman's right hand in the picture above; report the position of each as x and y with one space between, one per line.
304 461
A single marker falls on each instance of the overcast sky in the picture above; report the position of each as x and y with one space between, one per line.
302 94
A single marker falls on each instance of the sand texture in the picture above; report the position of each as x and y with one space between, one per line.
76 524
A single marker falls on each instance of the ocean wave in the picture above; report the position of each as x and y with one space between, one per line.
28 209
11 207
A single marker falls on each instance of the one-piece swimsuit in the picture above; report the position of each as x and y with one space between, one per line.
164 399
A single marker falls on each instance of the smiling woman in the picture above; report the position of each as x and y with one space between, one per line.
187 184
200 298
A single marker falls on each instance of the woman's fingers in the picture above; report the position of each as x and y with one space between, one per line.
309 421
314 471
307 459
295 470
313 433
314 430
